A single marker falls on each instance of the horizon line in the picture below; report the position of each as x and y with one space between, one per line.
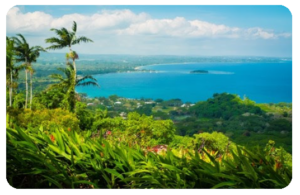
175 55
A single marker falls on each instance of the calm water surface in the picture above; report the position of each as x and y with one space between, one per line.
261 82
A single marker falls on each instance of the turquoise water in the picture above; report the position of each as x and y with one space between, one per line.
261 82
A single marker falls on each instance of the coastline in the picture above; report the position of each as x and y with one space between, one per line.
140 67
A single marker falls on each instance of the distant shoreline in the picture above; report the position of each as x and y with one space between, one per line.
231 62
139 67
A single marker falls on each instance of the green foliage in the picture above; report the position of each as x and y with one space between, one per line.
46 118
160 115
145 109
280 108
278 154
6 98
214 141
68 160
224 105
139 129
172 102
280 125
182 142
85 117
244 121
114 98
51 99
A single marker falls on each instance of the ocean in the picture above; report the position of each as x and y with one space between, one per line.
261 82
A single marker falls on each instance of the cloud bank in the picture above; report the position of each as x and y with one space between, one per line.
126 32
125 22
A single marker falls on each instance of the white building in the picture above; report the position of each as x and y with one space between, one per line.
149 102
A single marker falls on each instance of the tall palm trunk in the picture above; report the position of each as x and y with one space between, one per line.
10 88
26 83
75 73
74 66
72 94
30 89
73 100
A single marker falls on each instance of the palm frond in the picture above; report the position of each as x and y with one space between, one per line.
88 83
81 39
54 47
37 49
66 35
60 33
74 27
53 40
22 38
86 77
66 38
70 65
56 76
19 59
56 86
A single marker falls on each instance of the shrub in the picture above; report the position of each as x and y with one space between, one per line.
47 118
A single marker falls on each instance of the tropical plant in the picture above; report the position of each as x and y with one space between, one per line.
66 159
48 118
10 65
67 85
11 70
50 99
27 54
67 39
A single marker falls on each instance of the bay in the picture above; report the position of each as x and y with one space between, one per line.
261 82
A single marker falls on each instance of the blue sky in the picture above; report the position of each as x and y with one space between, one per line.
171 30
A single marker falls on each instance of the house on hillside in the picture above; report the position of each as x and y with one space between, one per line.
90 104
186 105
123 115
149 102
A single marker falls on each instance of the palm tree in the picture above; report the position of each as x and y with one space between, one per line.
27 54
12 71
67 85
10 52
67 39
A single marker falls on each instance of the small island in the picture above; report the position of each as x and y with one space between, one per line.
199 72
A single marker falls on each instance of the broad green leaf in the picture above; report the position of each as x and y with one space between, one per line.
53 181
114 172
224 184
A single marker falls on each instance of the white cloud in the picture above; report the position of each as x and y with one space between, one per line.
177 27
125 22
259 33
40 21
126 32
28 22
285 35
